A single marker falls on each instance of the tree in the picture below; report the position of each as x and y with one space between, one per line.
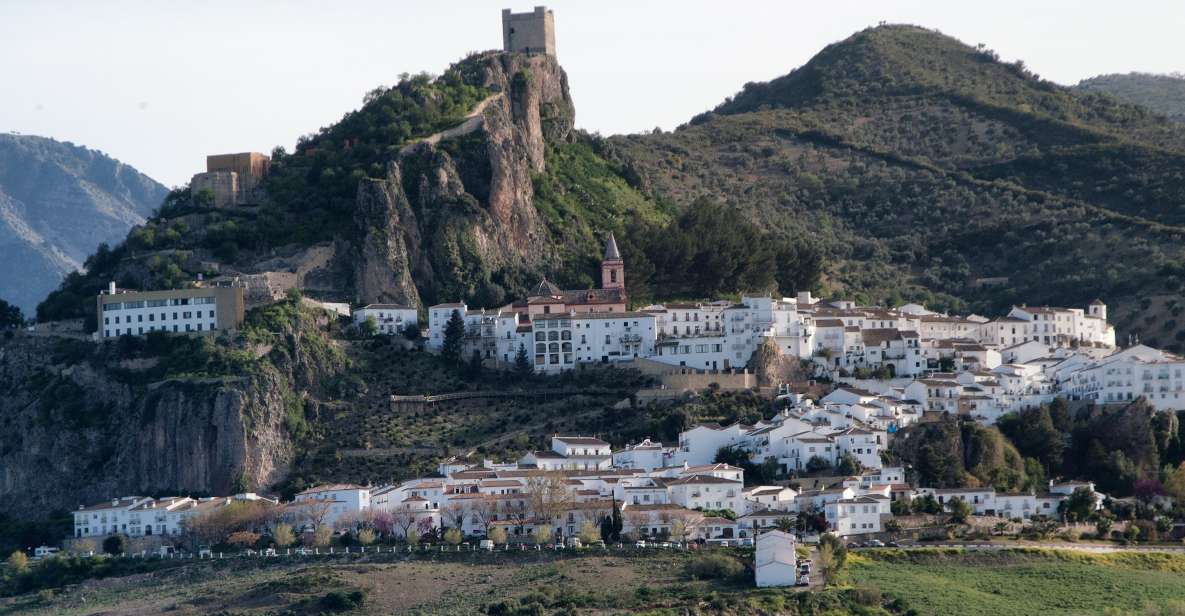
892 527
838 549
473 368
18 563
549 496
832 557
542 534
412 332
314 511
900 507
404 518
283 536
959 510
848 465
484 511
454 513
497 535
453 536
369 327
412 537
522 362
10 315
454 338
817 464
589 532
1079 506
115 544
1174 482
366 536
785 524
322 536
1102 526
243 539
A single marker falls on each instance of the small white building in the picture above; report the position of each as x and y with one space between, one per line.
390 318
334 500
775 561
646 455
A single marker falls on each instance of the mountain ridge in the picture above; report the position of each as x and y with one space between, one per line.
914 160
58 202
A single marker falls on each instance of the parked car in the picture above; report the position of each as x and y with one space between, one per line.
486 545
892 544
574 542
204 552
746 542
640 543
876 543
269 552
803 580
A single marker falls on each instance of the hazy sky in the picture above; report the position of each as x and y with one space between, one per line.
160 84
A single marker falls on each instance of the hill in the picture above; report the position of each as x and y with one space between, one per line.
1164 94
926 169
59 201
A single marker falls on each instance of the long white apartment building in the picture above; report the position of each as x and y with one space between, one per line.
206 309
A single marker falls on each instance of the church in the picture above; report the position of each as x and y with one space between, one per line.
547 298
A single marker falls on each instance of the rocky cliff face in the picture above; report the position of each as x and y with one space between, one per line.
80 425
57 203
457 208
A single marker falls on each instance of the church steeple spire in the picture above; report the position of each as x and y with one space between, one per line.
612 267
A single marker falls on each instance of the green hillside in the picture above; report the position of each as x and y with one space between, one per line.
1164 94
921 166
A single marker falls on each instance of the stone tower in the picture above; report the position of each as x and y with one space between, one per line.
612 267
532 32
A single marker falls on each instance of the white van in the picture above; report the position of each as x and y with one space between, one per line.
486 544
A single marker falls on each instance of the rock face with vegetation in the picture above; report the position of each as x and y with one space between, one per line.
58 201
83 422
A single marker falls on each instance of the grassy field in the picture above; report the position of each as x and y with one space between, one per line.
1025 582
938 582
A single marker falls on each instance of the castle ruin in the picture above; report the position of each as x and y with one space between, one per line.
532 32
232 178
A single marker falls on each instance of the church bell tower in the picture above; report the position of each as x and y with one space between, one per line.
612 267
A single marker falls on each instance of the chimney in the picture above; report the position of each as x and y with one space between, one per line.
111 288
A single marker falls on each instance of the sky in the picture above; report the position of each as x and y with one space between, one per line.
159 84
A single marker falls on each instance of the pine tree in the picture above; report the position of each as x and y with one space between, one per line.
522 362
473 369
454 338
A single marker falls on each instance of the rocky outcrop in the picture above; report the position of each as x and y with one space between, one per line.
457 207
388 240
80 424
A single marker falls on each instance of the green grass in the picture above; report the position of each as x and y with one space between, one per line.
1023 582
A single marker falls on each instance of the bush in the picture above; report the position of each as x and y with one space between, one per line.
115 544
715 567
341 601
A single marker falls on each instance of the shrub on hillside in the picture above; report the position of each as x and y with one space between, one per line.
715 567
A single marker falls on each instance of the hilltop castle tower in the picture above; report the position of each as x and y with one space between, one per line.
532 32
612 267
